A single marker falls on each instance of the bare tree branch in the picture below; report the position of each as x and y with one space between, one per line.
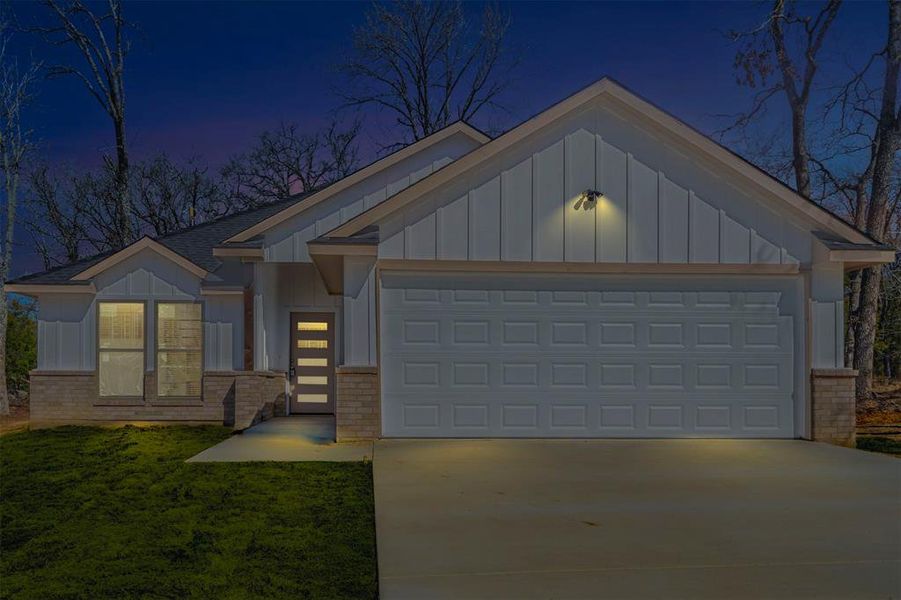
423 64
286 162
100 41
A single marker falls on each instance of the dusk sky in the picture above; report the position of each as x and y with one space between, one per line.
204 78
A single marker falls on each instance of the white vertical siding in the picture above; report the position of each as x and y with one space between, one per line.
421 238
359 311
613 208
287 242
67 329
673 242
579 221
452 223
656 206
642 229
548 204
485 221
223 333
516 212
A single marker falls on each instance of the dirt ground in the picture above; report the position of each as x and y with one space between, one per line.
17 419
885 406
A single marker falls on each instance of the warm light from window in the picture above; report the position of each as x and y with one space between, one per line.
313 398
179 356
312 343
312 362
121 349
312 326
313 380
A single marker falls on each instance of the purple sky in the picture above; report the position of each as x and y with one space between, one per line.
204 78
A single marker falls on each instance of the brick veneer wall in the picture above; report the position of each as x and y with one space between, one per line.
834 406
72 396
259 396
357 408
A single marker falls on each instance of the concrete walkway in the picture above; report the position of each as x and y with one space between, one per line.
292 439
636 519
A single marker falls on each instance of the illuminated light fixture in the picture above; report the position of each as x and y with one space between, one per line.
588 199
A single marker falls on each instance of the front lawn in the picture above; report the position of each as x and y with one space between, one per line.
117 513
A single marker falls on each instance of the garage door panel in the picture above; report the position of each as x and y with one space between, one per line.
513 418
756 376
585 362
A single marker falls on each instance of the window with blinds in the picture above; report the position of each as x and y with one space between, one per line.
121 348
179 349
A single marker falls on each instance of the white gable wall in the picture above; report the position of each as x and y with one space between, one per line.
658 206
67 323
288 241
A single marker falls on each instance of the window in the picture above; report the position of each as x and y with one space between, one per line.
121 348
312 343
179 353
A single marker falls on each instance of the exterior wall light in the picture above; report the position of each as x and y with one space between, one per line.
588 199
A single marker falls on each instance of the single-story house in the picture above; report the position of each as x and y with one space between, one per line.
601 270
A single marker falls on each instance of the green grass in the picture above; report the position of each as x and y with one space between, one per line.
117 513
879 444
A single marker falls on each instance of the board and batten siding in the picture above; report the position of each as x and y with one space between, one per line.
67 323
535 211
288 241
661 203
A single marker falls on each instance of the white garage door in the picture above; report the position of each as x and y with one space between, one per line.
563 357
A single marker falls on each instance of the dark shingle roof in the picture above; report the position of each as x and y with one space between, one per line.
194 243
832 243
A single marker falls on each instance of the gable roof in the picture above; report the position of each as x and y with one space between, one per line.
194 244
145 243
651 115
458 127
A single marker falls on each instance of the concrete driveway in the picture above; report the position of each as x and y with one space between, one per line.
636 519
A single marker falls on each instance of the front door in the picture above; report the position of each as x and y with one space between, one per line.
312 371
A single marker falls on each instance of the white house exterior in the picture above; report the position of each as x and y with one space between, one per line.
601 270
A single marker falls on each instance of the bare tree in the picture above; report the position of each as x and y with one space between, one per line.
852 160
423 63
169 197
16 90
885 149
287 161
55 220
765 52
99 38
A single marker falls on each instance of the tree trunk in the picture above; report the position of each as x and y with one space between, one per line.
801 155
887 138
866 330
856 277
123 216
4 393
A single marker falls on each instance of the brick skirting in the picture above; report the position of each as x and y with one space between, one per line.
237 398
357 409
834 406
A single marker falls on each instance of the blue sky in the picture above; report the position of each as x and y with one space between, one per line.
204 78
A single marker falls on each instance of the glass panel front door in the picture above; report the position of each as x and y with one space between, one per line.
312 372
